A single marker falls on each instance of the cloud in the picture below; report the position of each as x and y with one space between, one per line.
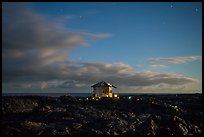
157 66
176 60
32 31
165 88
98 35
43 85
138 66
32 42
83 74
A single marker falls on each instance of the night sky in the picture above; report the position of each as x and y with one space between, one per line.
66 47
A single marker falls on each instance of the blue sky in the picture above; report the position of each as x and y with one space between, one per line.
134 32
140 30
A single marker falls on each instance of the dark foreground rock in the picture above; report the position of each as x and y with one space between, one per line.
66 115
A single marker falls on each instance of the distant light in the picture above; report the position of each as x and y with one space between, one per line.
93 97
106 95
99 97
87 98
138 99
115 95
96 99
129 97
152 102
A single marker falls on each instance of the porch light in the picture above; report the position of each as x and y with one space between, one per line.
115 95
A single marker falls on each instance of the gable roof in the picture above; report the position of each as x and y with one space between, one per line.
102 83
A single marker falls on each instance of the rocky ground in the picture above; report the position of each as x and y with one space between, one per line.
66 115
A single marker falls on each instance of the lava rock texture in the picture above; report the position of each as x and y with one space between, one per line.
67 115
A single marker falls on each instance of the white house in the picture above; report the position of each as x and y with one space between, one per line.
103 89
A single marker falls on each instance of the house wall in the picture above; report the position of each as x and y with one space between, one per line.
104 91
110 93
97 91
110 89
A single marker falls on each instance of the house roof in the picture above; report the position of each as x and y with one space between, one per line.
102 83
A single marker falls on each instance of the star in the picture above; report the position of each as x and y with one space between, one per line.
80 17
196 10
171 6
